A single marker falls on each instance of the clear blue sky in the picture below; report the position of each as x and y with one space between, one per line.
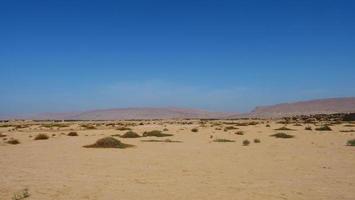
217 55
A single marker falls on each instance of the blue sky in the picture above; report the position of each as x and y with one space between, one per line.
216 55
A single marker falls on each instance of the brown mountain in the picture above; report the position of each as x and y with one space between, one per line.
132 113
320 106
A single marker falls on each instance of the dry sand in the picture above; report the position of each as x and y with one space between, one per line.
313 165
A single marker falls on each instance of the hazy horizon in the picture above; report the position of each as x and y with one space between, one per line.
225 56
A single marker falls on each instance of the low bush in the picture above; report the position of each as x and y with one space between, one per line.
41 136
109 142
282 135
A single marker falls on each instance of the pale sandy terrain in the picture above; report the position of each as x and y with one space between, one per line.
313 165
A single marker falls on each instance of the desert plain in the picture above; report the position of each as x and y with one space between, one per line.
202 159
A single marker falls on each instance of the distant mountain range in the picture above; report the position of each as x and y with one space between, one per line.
132 113
320 106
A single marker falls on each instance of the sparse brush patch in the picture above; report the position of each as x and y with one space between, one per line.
130 134
109 142
282 135
297 124
268 125
195 130
347 131
73 134
223 140
308 128
257 141
246 143
2 135
165 129
284 128
324 128
155 133
166 140
351 142
21 195
230 128
349 125
123 128
13 141
88 126
239 133
41 136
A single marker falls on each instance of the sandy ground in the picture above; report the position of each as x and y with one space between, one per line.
313 165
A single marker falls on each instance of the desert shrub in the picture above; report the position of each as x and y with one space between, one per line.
246 142
21 195
297 124
109 142
229 128
13 141
130 134
284 128
347 131
194 130
73 134
88 126
41 136
223 140
123 128
166 141
257 141
282 135
324 128
268 125
165 129
239 133
2 135
308 128
155 133
351 142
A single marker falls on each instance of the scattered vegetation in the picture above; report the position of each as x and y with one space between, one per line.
13 141
130 134
282 135
246 142
73 134
347 131
308 128
268 125
351 142
155 133
109 142
324 128
41 136
165 129
223 140
2 135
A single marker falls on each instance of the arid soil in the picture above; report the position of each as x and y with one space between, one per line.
312 165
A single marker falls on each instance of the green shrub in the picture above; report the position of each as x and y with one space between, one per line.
351 142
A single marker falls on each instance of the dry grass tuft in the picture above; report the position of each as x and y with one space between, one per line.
13 141
282 135
41 136
73 134
130 134
155 133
